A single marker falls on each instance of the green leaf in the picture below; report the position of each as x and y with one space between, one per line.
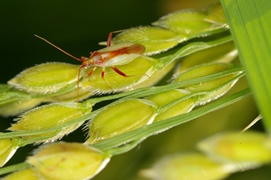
250 25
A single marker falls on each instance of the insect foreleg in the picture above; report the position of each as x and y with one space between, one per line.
102 75
92 71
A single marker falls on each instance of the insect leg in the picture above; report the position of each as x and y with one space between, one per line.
92 71
102 75
119 71
109 38
124 75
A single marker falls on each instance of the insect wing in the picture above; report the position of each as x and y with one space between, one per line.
120 54
114 47
120 60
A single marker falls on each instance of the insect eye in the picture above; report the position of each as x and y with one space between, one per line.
87 65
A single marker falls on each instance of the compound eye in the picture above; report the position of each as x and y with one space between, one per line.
87 65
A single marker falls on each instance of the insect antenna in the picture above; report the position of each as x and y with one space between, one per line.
78 59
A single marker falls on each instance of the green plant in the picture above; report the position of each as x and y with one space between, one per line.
139 112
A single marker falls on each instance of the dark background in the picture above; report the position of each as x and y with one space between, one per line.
75 26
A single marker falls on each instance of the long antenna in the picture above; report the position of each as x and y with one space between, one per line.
78 59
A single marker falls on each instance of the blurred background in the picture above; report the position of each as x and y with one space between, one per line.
77 27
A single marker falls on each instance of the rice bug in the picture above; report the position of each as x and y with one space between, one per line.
111 56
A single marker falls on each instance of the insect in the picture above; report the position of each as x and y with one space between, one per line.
111 56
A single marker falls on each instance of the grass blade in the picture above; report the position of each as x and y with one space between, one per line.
250 25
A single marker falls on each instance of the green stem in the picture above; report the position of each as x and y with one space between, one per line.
125 148
191 48
13 168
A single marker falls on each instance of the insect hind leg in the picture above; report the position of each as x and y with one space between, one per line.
109 38
119 71
125 75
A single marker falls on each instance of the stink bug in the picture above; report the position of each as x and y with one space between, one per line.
111 56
